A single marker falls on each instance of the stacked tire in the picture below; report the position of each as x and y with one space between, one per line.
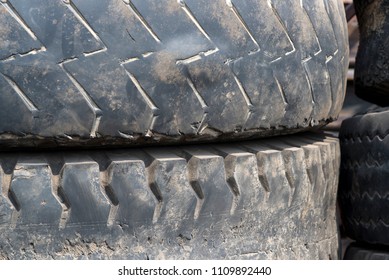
363 190
130 128
364 176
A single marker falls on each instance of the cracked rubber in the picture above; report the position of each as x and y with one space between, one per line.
106 73
364 177
262 199
357 251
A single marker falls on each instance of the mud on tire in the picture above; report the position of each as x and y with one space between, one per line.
83 72
263 199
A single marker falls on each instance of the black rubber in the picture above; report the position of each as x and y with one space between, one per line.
263 199
357 251
372 61
364 177
99 72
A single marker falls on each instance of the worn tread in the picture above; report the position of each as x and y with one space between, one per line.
173 203
155 78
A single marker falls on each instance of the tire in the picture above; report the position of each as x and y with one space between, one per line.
372 61
364 176
366 252
222 201
106 73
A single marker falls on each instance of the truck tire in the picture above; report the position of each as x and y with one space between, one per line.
372 61
364 176
262 199
131 72
358 251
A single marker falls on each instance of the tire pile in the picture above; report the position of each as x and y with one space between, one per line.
142 129
364 177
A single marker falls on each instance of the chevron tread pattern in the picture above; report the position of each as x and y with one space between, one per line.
188 75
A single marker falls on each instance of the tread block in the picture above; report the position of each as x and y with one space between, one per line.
319 82
301 32
223 27
168 173
125 37
243 178
271 171
10 99
31 187
125 110
258 17
296 173
295 88
128 181
315 172
271 165
59 27
179 35
14 38
208 178
221 93
329 167
336 87
175 101
83 193
321 24
49 113
266 112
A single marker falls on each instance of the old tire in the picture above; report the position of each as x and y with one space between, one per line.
83 72
363 189
360 251
193 202
372 61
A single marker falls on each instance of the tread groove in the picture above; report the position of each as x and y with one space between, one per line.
155 190
27 101
218 51
139 16
197 93
306 70
194 20
144 94
162 199
84 22
244 24
12 11
60 197
91 103
313 28
277 15
281 91
243 91
327 9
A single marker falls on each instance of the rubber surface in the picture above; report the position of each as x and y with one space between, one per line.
372 61
268 199
358 251
83 72
363 189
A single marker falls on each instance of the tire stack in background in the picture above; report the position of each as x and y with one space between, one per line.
135 129
364 178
